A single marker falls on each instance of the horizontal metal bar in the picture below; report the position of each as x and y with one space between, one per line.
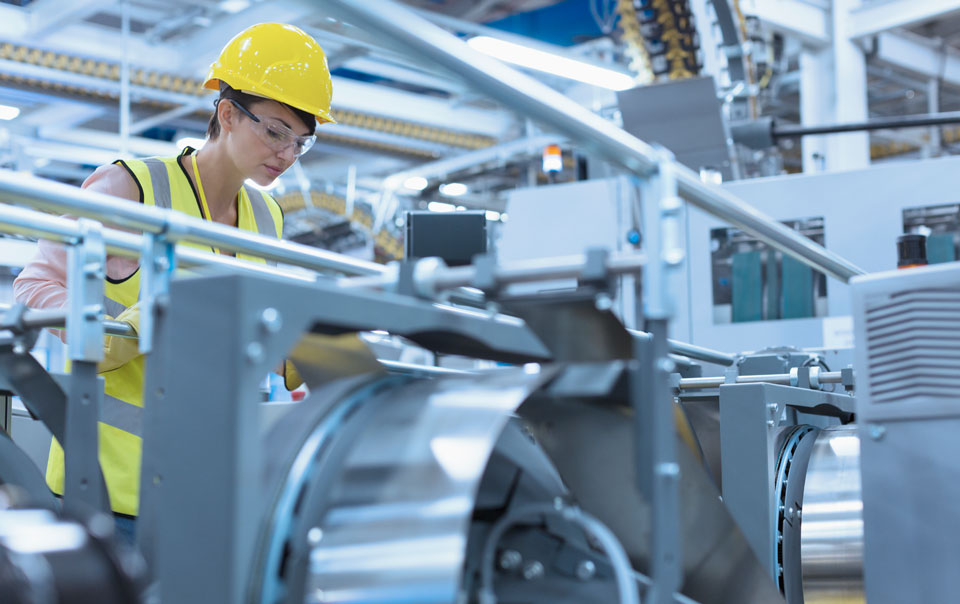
540 269
692 351
30 223
541 103
411 369
57 319
783 379
60 198
883 123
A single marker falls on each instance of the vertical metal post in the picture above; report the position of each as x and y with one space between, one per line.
83 488
933 106
6 409
157 264
658 470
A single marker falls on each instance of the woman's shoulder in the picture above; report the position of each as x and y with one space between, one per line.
114 179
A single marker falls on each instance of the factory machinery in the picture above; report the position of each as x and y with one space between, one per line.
592 464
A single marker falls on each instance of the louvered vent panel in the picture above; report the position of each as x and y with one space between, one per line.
913 346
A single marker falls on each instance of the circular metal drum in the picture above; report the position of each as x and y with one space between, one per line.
819 531
832 527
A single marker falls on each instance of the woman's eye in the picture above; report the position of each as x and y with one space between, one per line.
276 134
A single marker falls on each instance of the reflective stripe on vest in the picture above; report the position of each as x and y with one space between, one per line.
161 182
122 415
112 307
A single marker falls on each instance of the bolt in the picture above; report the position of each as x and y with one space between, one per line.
314 535
19 348
161 263
533 570
558 503
772 408
510 559
603 302
271 320
586 569
254 352
877 431
771 423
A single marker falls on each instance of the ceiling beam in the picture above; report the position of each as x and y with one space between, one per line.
873 18
796 18
48 16
916 55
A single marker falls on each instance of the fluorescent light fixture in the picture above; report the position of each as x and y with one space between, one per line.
539 60
453 189
493 215
190 141
461 208
439 206
416 183
8 112
270 187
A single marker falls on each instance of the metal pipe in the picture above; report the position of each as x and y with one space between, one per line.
784 379
541 269
692 351
57 319
882 123
528 97
22 221
65 199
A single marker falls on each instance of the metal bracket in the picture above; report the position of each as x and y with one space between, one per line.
85 275
662 236
157 265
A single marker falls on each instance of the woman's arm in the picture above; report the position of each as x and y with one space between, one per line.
43 282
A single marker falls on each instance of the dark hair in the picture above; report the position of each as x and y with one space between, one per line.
248 101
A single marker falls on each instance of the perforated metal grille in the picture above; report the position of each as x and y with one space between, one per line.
913 346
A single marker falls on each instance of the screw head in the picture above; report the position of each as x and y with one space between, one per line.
603 302
586 570
255 352
533 570
271 320
510 559
314 535
877 431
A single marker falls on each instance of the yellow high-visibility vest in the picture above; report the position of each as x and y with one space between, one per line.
163 183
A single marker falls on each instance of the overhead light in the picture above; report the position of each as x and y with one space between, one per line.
453 189
461 208
531 58
416 183
493 215
8 112
190 141
234 6
270 187
439 206
503 217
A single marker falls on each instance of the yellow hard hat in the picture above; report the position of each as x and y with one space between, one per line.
277 61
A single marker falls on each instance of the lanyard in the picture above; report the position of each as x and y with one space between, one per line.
203 198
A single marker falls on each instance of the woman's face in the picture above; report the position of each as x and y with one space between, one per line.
264 150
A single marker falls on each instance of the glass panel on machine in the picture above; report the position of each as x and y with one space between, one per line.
754 282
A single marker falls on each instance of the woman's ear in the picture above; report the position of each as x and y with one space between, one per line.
226 114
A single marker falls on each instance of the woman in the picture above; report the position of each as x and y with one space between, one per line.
274 86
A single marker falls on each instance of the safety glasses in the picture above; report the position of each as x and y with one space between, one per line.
277 136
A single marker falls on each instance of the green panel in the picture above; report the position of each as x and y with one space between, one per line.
797 289
773 287
747 287
940 249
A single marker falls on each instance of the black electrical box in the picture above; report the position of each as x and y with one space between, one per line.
456 237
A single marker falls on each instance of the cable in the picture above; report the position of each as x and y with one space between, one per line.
622 570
